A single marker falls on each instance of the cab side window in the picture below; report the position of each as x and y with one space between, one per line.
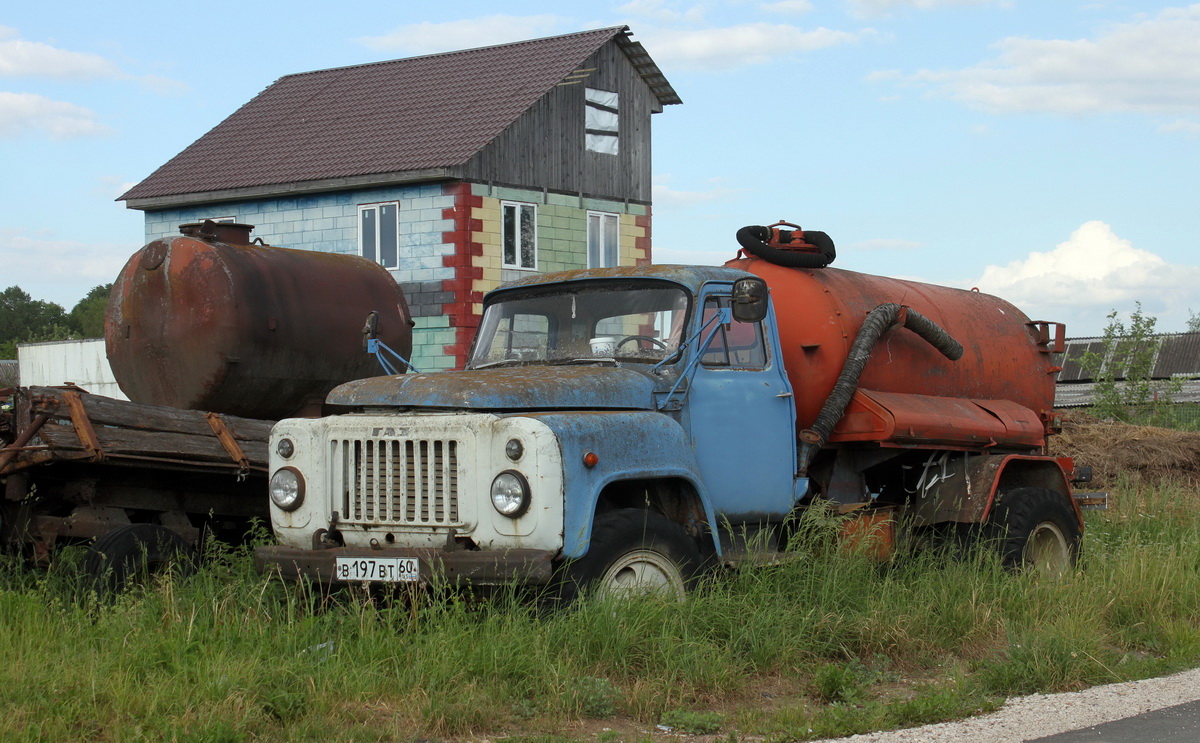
737 346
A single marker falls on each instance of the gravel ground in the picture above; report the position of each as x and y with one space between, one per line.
1025 718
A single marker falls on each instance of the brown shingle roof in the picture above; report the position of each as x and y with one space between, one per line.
409 114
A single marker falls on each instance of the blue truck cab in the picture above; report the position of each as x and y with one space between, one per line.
615 427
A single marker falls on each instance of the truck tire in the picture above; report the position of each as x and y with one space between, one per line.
634 552
129 555
1035 529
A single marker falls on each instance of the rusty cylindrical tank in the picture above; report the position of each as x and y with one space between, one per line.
820 311
205 320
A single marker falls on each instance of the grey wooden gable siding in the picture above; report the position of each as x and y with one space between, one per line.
545 146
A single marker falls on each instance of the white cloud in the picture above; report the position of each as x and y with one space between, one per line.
431 38
662 11
882 244
1181 126
29 113
788 7
738 46
1150 65
691 256
666 198
882 8
25 59
1093 272
20 58
709 48
56 270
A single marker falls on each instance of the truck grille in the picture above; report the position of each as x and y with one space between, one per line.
400 482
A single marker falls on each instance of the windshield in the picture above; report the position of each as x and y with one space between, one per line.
601 321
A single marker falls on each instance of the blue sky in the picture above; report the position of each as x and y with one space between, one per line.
1046 151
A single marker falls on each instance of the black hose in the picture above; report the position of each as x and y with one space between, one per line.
878 322
754 240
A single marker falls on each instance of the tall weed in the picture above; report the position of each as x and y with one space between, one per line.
823 642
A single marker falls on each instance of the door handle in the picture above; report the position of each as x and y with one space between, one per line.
784 394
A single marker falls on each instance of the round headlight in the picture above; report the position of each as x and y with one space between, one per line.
285 448
287 489
510 494
514 449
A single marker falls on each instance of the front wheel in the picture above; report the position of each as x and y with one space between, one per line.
1035 529
634 552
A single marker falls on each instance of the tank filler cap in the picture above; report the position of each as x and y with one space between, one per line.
232 233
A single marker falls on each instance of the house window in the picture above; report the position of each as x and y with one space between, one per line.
603 239
379 233
602 132
520 235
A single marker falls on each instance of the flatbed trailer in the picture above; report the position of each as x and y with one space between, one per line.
123 477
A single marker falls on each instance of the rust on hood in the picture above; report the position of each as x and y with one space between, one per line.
562 387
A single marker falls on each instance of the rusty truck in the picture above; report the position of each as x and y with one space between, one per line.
623 428
212 337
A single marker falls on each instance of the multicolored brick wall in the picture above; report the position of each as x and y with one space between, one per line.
450 245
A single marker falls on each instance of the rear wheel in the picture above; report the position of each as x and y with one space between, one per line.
634 552
1035 529
130 555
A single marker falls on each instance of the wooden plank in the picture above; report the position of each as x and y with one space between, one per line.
105 411
60 436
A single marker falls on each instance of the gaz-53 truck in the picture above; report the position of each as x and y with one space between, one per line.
626 427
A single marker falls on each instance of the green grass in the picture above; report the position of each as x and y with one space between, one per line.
825 644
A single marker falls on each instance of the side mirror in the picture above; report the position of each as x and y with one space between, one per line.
749 299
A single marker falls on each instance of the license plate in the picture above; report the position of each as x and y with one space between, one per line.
382 569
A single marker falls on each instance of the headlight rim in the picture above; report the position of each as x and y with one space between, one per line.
526 494
296 502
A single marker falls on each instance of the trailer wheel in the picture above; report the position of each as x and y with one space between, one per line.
129 555
634 552
1035 529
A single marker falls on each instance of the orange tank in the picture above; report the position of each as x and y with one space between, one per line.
208 321
820 311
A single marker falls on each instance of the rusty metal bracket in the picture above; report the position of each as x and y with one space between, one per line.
83 424
18 445
223 434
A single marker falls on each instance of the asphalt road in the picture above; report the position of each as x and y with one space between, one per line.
1178 724
1156 710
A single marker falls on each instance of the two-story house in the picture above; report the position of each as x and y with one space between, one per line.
456 171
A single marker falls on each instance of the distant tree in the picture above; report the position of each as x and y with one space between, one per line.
25 319
1193 322
87 316
1124 387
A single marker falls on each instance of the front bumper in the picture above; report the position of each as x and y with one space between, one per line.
438 567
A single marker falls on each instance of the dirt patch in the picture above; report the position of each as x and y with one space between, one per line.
1140 452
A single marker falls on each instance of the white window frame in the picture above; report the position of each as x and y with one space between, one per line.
518 260
598 258
377 209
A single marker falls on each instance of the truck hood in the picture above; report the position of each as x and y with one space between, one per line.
514 388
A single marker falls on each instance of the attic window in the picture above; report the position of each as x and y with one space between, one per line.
601 121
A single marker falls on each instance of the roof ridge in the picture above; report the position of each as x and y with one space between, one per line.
611 31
